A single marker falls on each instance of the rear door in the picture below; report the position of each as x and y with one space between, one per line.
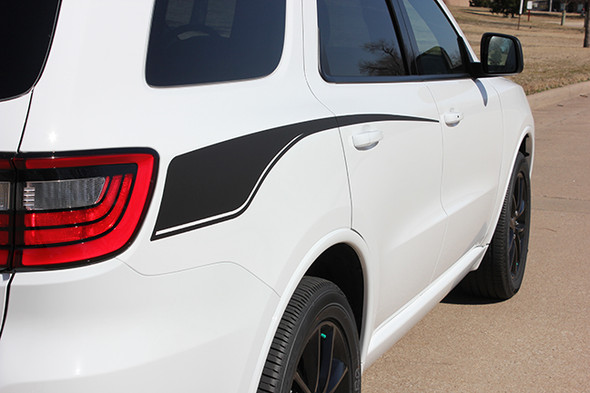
471 124
391 138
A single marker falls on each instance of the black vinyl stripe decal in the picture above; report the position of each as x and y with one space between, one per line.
218 182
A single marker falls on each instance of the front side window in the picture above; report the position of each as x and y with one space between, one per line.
435 39
358 39
205 41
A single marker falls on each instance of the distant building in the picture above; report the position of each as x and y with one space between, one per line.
556 5
542 5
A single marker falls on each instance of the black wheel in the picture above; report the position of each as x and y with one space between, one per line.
315 349
502 269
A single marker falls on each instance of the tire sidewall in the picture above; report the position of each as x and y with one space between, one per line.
329 305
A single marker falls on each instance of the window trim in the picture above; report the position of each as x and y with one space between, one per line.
393 79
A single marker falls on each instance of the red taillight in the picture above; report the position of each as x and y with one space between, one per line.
76 209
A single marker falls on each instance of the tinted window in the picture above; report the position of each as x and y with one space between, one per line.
202 41
26 30
436 40
357 38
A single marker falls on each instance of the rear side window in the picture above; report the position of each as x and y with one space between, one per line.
358 39
435 39
26 31
205 41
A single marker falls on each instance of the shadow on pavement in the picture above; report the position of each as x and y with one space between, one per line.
457 296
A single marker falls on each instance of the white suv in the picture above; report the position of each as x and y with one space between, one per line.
246 195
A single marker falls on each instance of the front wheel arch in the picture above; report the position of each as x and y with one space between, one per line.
501 272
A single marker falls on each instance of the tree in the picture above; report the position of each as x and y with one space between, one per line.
566 3
389 62
586 4
586 24
506 7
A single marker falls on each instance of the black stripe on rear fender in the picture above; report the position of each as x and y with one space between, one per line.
218 182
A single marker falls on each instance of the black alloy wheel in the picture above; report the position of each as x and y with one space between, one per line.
518 234
315 349
324 365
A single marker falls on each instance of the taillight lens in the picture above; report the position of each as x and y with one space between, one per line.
5 212
78 209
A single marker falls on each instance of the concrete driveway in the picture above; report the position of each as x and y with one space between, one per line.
539 341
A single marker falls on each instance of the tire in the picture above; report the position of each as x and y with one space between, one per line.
500 274
316 347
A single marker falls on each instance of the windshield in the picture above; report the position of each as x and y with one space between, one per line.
26 30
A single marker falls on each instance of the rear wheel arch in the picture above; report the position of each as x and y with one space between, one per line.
341 265
342 258
316 347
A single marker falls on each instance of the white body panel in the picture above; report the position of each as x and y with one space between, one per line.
400 323
14 115
403 212
472 158
106 327
317 189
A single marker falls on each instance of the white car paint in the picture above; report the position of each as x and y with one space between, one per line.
200 309
14 115
108 327
472 155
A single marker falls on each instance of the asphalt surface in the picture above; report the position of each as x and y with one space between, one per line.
538 341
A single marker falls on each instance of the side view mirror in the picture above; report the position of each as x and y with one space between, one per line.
501 55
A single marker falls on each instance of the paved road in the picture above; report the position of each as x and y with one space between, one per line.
539 341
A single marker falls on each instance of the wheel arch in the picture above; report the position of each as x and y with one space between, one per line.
525 144
527 148
343 247
341 265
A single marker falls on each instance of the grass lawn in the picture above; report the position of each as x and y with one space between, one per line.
553 54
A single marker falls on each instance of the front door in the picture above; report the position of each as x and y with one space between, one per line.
470 118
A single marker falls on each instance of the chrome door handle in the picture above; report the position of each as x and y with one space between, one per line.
452 118
367 140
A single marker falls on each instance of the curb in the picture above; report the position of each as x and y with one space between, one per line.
553 96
